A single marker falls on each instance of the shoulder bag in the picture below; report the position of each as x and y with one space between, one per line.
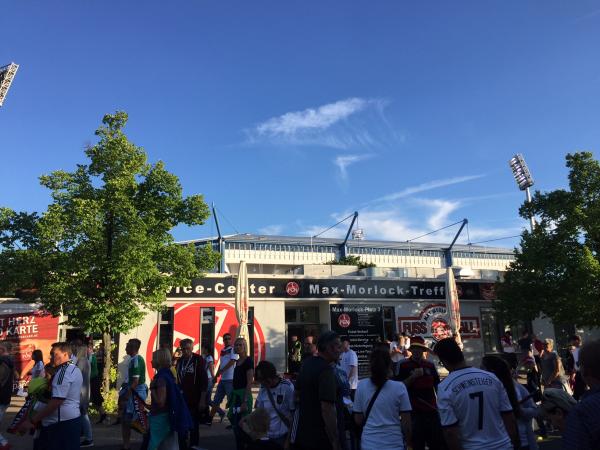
369 407
283 418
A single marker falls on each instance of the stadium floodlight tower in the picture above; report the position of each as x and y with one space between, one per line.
7 74
523 178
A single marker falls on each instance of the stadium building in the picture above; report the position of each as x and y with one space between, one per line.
294 291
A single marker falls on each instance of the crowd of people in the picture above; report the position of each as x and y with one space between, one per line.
322 404
59 395
405 404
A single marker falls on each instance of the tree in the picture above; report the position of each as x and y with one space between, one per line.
351 260
556 272
102 253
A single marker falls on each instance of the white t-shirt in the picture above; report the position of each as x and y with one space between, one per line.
208 360
407 343
283 396
396 357
66 385
348 360
382 430
226 356
473 399
38 370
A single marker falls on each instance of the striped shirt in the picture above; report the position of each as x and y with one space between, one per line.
66 386
583 423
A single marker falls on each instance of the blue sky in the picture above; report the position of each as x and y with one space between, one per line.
291 115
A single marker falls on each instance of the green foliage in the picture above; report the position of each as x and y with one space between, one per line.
111 399
351 260
102 253
557 270
114 375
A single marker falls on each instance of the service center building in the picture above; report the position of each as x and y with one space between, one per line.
315 297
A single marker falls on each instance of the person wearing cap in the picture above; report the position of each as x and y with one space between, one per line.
583 422
421 379
557 404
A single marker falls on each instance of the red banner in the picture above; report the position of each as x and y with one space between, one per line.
28 331
432 323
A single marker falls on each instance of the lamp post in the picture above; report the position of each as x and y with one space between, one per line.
523 178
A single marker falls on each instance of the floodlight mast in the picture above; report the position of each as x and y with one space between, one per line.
7 74
523 178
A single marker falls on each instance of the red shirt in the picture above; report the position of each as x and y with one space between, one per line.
422 390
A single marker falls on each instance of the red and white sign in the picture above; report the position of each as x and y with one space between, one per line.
432 322
186 325
28 331
344 320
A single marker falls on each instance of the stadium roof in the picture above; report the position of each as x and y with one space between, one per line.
306 240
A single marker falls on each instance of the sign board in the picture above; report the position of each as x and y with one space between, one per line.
432 323
28 331
363 324
325 288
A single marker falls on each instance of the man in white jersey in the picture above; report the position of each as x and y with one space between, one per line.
60 419
474 408
226 367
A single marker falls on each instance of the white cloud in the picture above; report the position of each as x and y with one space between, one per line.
441 210
320 118
334 125
343 161
434 184
414 218
272 230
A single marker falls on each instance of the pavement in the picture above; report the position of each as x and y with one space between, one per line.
108 437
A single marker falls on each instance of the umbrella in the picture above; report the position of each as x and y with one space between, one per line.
453 306
241 302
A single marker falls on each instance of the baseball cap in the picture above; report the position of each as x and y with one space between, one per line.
557 398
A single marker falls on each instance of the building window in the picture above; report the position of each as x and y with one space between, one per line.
389 323
303 314
165 328
489 331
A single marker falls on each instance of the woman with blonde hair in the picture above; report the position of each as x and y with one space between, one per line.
240 403
168 412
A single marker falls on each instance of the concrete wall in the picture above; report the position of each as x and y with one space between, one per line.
271 317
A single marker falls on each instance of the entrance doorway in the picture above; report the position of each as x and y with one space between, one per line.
302 321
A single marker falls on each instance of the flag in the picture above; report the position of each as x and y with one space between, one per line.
453 306
241 303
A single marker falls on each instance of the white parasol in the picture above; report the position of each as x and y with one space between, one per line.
453 306
241 302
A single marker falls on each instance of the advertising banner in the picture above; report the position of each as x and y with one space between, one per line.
363 324
432 323
28 331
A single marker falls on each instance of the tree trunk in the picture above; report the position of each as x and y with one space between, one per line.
106 339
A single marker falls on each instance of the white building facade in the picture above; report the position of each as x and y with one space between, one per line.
293 291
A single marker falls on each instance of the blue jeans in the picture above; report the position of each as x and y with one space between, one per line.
86 427
209 388
224 389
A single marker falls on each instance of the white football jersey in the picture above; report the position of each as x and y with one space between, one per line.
473 399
